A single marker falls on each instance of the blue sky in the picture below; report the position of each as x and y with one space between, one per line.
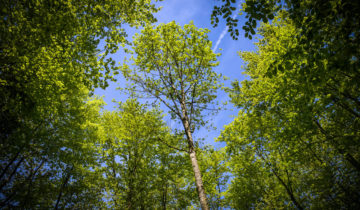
199 11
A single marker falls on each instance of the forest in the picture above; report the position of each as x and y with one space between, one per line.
294 143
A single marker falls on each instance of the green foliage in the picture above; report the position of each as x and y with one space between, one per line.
174 65
51 61
318 20
140 169
299 123
215 171
226 11
52 162
256 10
294 144
49 51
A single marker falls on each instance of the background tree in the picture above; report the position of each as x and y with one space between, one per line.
174 66
141 171
294 121
130 156
214 167
54 170
303 94
50 63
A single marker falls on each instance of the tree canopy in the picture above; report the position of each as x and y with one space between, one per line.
294 144
299 121
51 62
174 65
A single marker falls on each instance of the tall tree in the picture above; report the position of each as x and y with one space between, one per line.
297 121
50 62
303 92
174 65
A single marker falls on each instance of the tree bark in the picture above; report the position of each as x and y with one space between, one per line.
198 181
195 166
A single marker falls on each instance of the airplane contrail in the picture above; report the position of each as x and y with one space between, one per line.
223 33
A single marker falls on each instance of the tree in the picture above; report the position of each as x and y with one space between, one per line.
304 87
50 63
134 153
49 49
297 122
54 169
174 66
214 167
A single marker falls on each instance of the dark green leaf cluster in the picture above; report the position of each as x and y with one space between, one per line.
256 10
225 11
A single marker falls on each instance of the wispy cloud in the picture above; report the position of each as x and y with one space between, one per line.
223 33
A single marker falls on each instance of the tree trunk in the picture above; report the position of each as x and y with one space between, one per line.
196 168
198 180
